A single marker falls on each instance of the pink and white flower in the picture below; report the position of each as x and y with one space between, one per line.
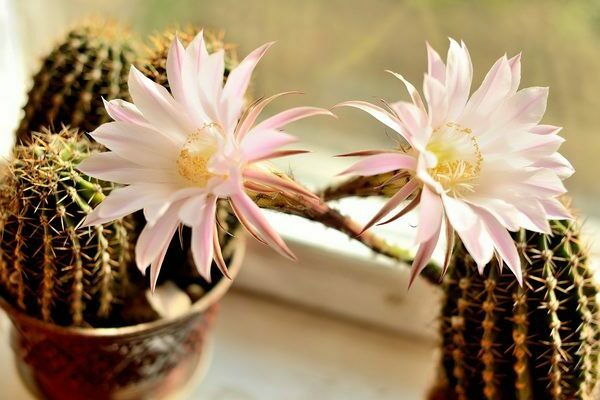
180 152
480 165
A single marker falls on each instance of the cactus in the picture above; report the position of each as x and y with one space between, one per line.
49 268
90 63
153 65
536 341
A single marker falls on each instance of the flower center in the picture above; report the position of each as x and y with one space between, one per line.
459 158
195 155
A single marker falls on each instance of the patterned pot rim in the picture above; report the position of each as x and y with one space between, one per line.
200 306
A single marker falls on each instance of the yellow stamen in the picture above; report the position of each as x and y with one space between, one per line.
194 156
459 158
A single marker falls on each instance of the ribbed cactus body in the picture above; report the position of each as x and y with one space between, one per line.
538 341
49 268
91 62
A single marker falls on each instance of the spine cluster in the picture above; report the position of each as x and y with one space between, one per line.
90 63
48 267
536 341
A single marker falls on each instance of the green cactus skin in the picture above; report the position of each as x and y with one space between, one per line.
49 268
538 341
91 62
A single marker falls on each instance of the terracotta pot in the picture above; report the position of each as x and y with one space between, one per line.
149 360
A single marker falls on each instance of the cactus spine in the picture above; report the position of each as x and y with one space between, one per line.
49 268
90 63
538 341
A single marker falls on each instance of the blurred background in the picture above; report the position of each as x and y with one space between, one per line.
338 49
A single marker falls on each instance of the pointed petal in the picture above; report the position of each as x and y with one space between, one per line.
253 215
121 110
248 120
158 106
515 69
112 168
218 254
260 143
522 111
392 203
412 91
435 66
156 265
272 180
423 255
153 239
493 90
545 129
381 115
450 241
278 154
280 120
431 215
175 59
192 208
381 163
202 238
555 209
459 74
238 81
409 207
143 146
437 102
503 243
123 201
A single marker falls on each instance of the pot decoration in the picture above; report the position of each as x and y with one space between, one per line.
148 360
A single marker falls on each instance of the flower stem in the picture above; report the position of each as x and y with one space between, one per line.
365 186
332 218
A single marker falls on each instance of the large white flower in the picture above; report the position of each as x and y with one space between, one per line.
481 163
180 152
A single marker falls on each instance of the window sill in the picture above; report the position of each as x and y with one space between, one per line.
269 351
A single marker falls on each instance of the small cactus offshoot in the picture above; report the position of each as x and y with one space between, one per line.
48 268
536 341
90 63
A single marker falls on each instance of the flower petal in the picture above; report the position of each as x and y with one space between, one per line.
430 217
260 143
435 66
141 145
515 69
252 214
503 243
274 181
123 201
381 163
175 59
381 115
158 106
280 120
394 201
238 81
121 110
249 119
423 255
202 238
459 74
110 167
153 239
